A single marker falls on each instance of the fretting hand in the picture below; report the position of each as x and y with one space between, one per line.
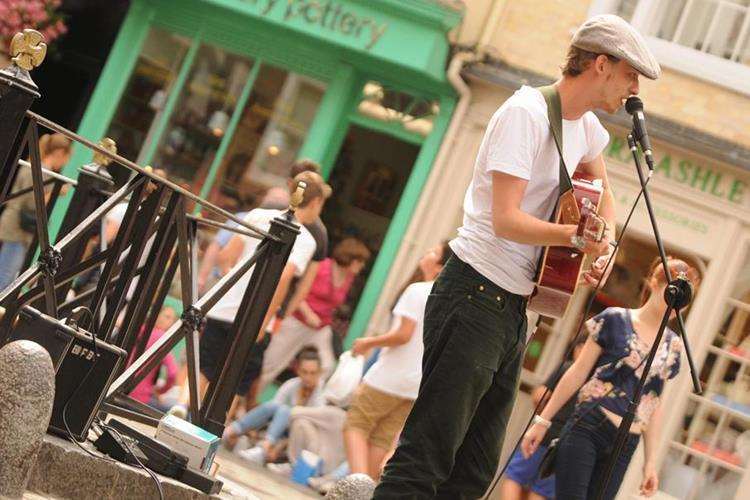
597 272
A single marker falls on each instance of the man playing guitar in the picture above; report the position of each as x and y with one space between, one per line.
475 321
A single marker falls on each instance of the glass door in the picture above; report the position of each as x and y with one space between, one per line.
368 179
383 159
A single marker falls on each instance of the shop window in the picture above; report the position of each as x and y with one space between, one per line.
413 114
145 94
711 451
269 135
700 37
201 115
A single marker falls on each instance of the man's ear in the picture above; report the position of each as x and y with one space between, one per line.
601 64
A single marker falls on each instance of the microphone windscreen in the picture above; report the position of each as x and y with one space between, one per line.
633 104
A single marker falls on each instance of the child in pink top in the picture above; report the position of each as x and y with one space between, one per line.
148 391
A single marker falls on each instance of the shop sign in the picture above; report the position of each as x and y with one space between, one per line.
679 224
328 15
706 178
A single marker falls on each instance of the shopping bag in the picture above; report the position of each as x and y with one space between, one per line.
344 381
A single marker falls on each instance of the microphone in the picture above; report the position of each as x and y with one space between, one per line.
634 107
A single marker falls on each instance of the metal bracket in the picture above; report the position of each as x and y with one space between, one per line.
49 261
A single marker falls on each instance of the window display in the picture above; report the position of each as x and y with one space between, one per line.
146 94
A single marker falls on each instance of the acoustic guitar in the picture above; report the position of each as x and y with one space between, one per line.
560 269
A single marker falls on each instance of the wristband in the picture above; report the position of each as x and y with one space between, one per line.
538 419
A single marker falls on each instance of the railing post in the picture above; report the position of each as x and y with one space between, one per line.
247 324
17 92
93 183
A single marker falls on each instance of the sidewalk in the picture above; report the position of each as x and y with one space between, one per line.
262 482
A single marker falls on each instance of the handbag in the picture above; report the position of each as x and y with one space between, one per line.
27 220
547 464
549 459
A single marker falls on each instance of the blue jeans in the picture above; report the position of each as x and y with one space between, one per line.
12 255
256 418
584 451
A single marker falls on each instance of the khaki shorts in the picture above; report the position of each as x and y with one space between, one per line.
378 415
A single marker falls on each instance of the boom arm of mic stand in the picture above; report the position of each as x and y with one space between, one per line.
680 322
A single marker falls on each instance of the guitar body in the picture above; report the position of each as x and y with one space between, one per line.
561 267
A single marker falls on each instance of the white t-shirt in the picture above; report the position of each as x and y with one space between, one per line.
398 369
518 142
302 252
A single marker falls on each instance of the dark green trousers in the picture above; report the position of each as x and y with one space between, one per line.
474 336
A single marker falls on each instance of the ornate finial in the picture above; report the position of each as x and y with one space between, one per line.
110 146
297 196
28 49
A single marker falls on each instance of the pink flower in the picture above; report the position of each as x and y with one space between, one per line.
41 15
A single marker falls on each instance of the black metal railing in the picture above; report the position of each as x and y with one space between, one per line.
157 236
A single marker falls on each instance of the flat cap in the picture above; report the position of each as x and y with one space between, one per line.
610 34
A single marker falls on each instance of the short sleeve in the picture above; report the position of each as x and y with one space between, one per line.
514 142
302 252
599 329
597 138
408 304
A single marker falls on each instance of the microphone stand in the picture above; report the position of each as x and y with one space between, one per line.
677 295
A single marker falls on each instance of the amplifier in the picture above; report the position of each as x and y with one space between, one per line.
83 371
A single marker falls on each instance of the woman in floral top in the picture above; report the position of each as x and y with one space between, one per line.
607 373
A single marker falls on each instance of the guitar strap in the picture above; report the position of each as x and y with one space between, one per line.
554 114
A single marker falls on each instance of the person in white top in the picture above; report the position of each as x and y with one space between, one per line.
475 319
219 321
385 396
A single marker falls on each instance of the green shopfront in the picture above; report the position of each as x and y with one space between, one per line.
224 94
